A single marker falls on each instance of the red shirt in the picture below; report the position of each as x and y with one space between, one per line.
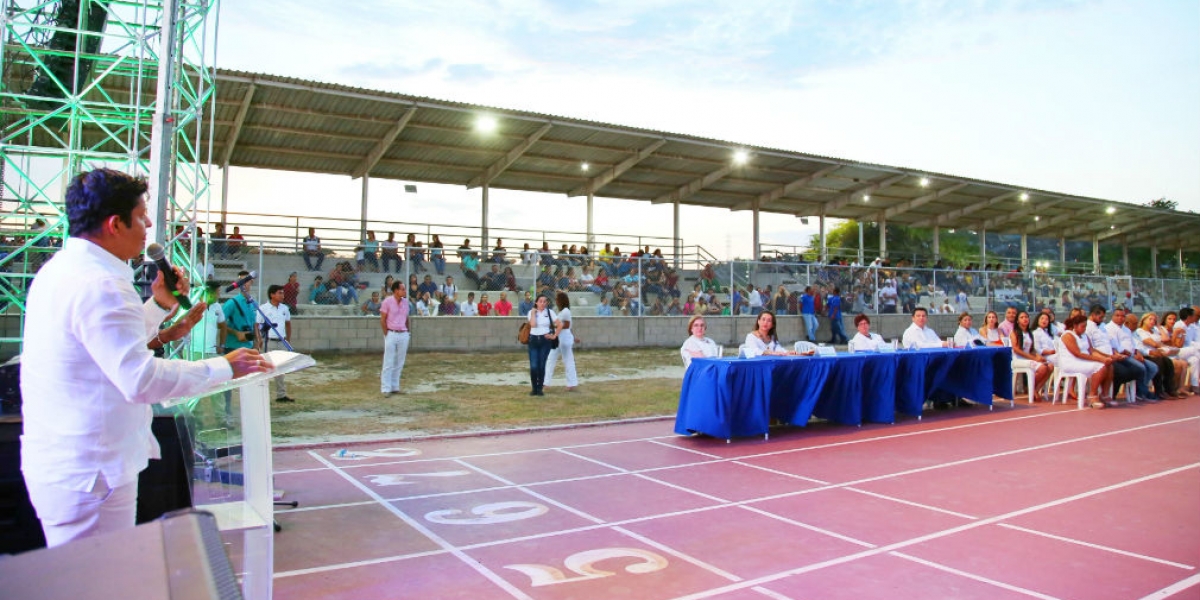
503 307
485 309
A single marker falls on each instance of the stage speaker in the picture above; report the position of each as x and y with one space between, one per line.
179 557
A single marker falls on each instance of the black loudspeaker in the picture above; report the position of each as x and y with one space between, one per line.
178 557
164 486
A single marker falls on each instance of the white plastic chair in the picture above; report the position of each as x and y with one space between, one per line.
805 346
1058 378
1028 373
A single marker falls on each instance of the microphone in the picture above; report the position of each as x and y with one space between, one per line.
158 254
241 282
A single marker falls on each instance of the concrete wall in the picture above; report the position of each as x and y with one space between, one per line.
500 333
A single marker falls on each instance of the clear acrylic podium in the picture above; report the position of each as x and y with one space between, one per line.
235 484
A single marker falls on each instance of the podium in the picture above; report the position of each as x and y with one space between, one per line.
241 495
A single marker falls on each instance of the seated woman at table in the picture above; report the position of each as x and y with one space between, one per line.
762 341
1174 335
697 346
990 332
864 340
1043 339
1078 358
966 335
1025 357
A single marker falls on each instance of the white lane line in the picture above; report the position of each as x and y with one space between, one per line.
1174 588
930 536
908 502
999 584
357 563
435 538
778 472
692 450
845 538
525 490
770 594
590 459
681 488
1098 546
677 554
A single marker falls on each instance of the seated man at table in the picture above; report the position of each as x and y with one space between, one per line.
864 340
919 336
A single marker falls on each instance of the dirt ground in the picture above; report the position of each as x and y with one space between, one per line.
338 399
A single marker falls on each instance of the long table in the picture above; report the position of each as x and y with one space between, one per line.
731 397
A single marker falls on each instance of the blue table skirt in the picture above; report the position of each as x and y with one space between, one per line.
729 397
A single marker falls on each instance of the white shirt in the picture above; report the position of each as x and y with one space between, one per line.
279 315
543 322
862 343
423 309
1120 337
705 346
312 244
204 335
1098 337
755 299
1193 334
1042 342
965 337
920 337
961 301
757 347
87 378
468 309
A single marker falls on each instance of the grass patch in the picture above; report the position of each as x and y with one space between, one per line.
444 392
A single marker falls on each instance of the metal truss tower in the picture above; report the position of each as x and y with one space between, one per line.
123 84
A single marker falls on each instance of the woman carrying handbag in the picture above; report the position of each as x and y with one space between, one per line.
541 323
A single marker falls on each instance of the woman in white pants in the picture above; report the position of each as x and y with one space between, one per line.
566 343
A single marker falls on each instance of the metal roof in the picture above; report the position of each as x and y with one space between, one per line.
270 122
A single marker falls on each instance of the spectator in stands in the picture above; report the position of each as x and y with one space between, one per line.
437 255
448 307
545 281
763 341
754 299
371 307
919 335
492 280
217 241
1025 357
465 249
389 254
622 306
371 251
320 293
1078 357
673 309
864 340
503 307
573 255
426 306
566 343
510 280
386 290
808 312
697 345
469 308
291 292
499 254
780 301
990 332
528 255
657 309
888 296
689 307
946 309
541 332
602 281
603 309
470 267
344 283
526 304
418 257
587 281
545 256
485 307
448 288
236 244
427 287
312 251
1009 322
708 279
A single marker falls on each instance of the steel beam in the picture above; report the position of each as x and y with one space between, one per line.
768 197
508 159
690 188
921 201
959 213
594 184
231 141
381 147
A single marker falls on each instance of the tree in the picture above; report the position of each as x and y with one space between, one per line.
1163 203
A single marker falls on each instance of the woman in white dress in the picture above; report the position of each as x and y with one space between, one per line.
762 340
1078 357
966 335
1043 339
990 332
1025 357
1174 335
566 343
864 340
1171 368
696 345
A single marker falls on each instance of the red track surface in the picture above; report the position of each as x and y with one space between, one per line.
1040 501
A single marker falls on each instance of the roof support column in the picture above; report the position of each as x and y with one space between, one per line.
1062 252
1125 256
362 211
1154 261
484 245
1180 261
824 249
883 238
983 248
225 193
678 249
757 255
937 243
1096 254
861 256
591 236
1024 252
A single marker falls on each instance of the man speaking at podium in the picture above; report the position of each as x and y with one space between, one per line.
88 375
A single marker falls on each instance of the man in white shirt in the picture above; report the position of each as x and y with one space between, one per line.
469 308
755 300
888 297
1125 367
918 335
88 374
961 301
1122 341
268 336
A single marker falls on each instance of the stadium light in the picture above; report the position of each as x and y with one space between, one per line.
1110 210
924 182
486 124
866 197
741 157
584 167
1024 197
1037 218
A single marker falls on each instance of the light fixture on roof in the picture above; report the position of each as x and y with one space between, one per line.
866 197
951 231
924 182
1024 197
1112 226
410 189
486 124
804 220
740 157
584 167
1110 210
1037 218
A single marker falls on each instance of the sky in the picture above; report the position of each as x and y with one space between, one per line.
1098 99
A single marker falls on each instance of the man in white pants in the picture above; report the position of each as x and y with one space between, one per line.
394 318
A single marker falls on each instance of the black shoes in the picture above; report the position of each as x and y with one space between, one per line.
284 399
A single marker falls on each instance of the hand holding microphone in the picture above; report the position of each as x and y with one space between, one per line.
173 282
241 283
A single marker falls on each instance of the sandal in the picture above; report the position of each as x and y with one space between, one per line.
1097 404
